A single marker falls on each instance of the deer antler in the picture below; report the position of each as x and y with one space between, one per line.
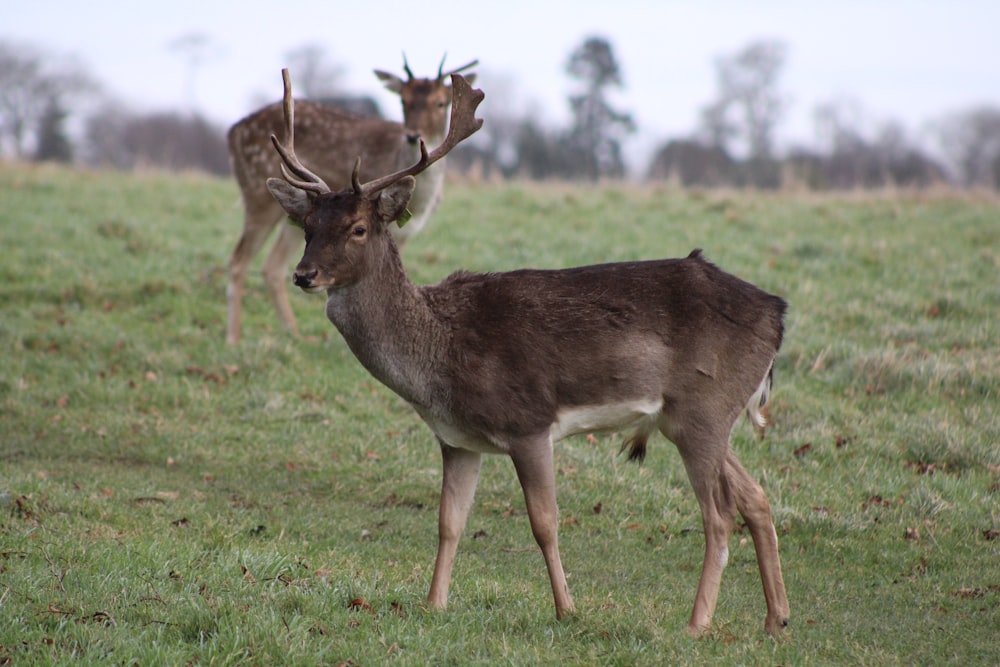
441 75
291 168
406 67
463 124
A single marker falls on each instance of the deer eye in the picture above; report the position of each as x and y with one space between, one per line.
360 231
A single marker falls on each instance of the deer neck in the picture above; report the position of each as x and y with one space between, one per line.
424 200
390 328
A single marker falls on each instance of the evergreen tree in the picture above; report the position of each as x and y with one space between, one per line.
53 144
594 141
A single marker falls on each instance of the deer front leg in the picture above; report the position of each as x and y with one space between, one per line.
458 486
533 462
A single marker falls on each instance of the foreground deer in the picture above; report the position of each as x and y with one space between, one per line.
329 135
509 363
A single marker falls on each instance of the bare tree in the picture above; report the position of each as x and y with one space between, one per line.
315 76
166 140
196 48
31 83
597 131
856 152
970 140
749 106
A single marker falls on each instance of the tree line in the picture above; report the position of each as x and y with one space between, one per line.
733 143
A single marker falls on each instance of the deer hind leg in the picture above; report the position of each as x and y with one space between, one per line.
257 226
276 274
533 463
458 487
753 506
704 459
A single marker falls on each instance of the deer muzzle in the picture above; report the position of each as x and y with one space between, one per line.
304 279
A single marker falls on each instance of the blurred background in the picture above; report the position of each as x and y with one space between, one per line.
705 93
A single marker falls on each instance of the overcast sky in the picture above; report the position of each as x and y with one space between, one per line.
909 60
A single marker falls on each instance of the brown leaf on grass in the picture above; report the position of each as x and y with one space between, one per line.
359 604
104 618
801 451
911 534
841 441
877 501
991 533
598 507
974 593
249 578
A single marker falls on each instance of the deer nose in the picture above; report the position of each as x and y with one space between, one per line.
304 280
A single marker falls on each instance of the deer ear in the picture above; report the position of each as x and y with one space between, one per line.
390 81
294 200
392 201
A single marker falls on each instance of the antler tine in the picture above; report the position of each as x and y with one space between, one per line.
291 168
456 70
406 67
441 66
463 124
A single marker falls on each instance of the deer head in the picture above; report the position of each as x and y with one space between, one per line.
345 221
425 101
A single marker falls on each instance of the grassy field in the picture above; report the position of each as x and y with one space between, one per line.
166 499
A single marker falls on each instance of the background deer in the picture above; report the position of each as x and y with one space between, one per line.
509 363
328 135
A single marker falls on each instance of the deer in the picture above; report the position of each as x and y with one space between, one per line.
328 133
510 363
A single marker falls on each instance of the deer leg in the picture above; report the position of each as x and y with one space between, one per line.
703 461
535 472
458 486
256 228
276 274
753 506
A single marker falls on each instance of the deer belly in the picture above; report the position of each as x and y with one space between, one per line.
606 417
458 437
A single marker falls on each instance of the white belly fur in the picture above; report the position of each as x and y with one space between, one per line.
606 417
640 414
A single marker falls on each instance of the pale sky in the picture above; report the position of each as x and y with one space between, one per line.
910 60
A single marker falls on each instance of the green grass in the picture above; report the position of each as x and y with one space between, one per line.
166 499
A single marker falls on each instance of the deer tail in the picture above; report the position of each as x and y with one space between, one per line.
759 400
